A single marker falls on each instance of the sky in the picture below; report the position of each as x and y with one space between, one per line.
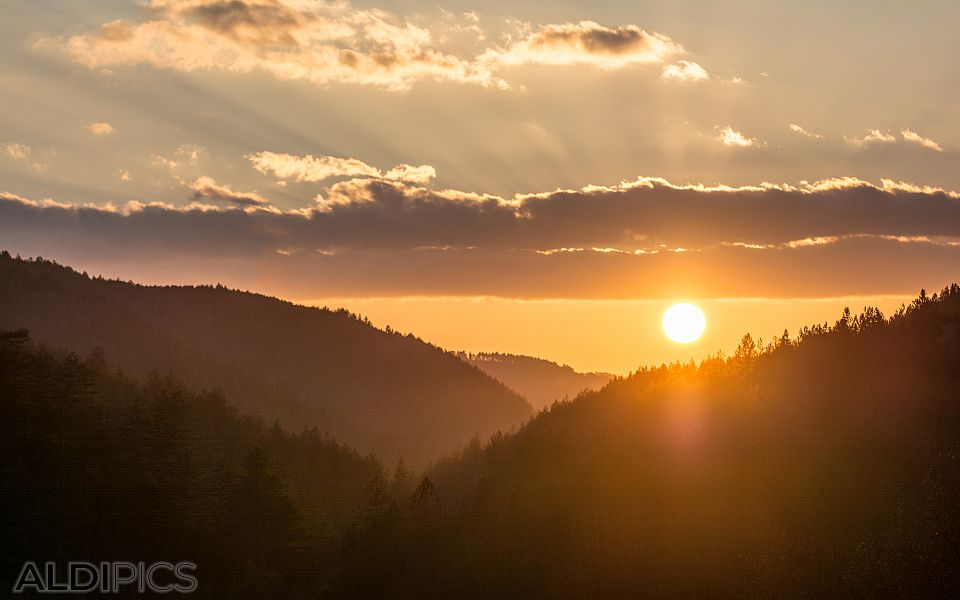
529 177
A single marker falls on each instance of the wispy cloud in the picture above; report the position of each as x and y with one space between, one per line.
589 43
810 134
731 137
100 128
309 168
916 138
205 188
185 154
17 150
685 70
422 174
22 152
873 136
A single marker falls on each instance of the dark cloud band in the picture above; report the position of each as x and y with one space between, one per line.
384 237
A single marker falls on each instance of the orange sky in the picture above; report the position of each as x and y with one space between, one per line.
615 336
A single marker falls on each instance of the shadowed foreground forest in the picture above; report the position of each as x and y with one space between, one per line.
823 464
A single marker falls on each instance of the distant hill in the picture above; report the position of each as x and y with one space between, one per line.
376 390
540 381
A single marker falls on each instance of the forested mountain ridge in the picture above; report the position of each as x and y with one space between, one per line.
540 381
96 466
825 464
377 390
821 465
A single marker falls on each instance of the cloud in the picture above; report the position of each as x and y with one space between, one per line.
916 138
873 136
309 168
205 188
643 214
810 134
22 152
422 175
100 128
588 43
636 239
185 154
16 151
162 161
330 43
731 137
190 152
324 43
266 22
686 71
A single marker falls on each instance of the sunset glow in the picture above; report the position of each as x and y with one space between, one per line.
395 157
684 323
462 299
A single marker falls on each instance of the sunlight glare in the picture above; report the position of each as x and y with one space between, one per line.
684 323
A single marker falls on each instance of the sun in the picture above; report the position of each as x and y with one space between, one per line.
684 323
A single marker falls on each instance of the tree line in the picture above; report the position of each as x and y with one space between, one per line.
817 465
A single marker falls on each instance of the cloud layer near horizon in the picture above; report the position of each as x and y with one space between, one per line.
636 239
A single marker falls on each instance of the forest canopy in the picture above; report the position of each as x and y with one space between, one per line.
822 463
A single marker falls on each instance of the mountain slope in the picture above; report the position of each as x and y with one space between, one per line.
97 466
540 381
824 467
375 390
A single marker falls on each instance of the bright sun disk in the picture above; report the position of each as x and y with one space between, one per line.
684 323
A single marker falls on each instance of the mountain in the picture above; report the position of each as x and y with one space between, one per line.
377 390
98 466
821 465
540 381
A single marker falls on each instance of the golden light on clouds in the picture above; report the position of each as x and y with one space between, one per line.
731 137
685 70
100 128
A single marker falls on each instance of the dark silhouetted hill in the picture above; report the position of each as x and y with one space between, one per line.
821 465
377 390
824 465
96 466
540 381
